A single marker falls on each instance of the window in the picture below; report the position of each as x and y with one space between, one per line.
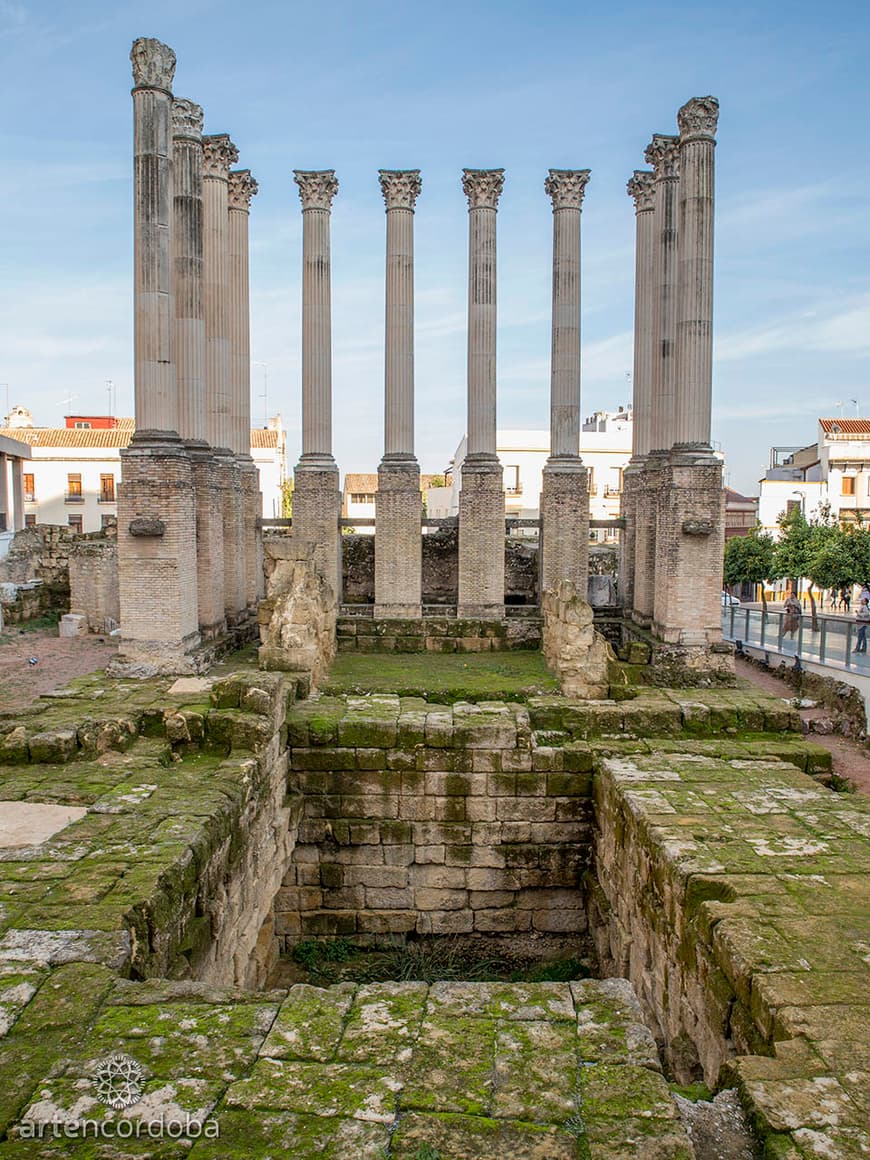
591 478
29 488
107 488
74 488
848 485
361 497
792 505
512 483
75 523
81 424
30 521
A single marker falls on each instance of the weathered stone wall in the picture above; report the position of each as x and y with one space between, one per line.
440 569
39 553
93 582
297 619
431 819
576 653
437 634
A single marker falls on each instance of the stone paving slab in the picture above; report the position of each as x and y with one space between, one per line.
478 1086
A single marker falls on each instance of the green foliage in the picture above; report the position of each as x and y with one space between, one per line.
749 559
794 548
443 677
427 1152
287 498
313 953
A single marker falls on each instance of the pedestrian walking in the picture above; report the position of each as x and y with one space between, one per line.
792 619
862 616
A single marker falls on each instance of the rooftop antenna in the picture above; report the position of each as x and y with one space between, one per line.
840 405
857 408
110 387
69 400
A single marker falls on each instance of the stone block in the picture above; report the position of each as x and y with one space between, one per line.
73 624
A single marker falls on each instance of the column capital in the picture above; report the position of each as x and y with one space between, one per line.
242 188
218 154
663 154
153 64
317 187
641 186
400 187
566 187
482 187
187 119
697 119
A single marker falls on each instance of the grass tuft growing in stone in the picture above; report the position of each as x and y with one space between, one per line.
443 677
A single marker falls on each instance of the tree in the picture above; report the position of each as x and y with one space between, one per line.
287 498
749 559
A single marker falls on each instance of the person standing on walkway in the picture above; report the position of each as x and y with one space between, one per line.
792 619
862 616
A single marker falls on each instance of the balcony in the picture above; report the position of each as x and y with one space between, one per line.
106 499
30 497
518 490
73 497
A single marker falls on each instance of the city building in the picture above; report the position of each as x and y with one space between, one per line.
605 447
741 513
358 499
73 472
832 473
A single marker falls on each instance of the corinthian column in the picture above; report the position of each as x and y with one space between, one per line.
208 481
697 120
317 499
481 498
398 507
157 566
691 507
663 154
242 187
565 492
153 72
637 538
219 153
187 268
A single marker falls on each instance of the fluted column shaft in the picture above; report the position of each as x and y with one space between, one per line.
697 121
187 269
219 153
154 371
316 190
565 188
662 153
482 188
242 187
400 189
642 189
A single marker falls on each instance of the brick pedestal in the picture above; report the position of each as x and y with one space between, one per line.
631 485
646 517
565 526
481 541
690 536
316 512
156 558
398 542
252 509
210 489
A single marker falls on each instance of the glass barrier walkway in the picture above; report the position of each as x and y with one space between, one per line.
835 641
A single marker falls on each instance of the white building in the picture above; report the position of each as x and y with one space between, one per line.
73 473
834 472
605 448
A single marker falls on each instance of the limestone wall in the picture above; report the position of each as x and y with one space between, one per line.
39 553
432 819
437 634
576 653
297 619
93 583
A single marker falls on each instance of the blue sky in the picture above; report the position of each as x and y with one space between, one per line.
358 86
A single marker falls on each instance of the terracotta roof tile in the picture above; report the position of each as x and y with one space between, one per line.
845 426
112 437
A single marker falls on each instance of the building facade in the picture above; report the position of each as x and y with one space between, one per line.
73 473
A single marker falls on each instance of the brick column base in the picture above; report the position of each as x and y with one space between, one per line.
235 605
565 526
631 485
690 536
252 533
481 541
156 558
210 487
645 519
316 512
398 541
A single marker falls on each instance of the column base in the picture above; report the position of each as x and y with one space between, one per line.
631 486
210 487
157 557
481 540
565 525
316 512
252 510
398 540
645 515
690 535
